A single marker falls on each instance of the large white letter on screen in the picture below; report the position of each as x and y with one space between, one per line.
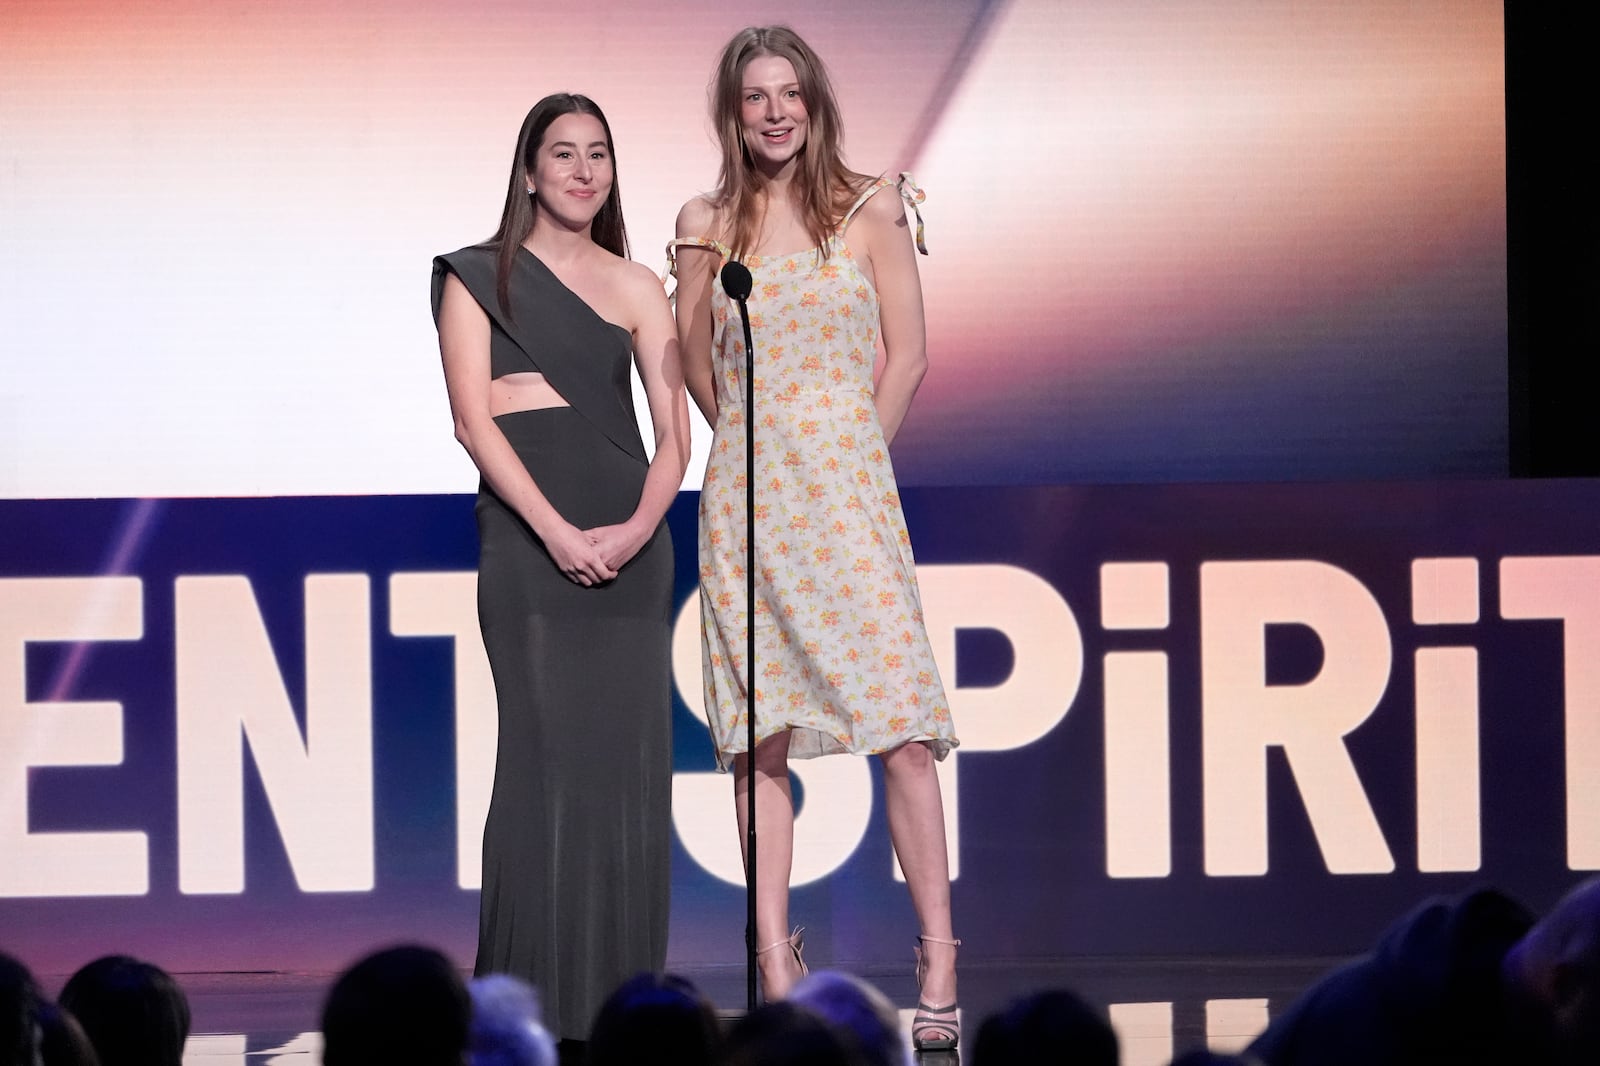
1136 596
230 692
1445 592
1047 664
446 605
1568 588
1244 716
60 733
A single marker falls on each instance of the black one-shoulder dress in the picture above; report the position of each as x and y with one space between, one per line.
576 847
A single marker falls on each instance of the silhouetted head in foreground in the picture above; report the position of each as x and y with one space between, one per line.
1553 975
62 1041
403 1006
19 1000
785 1034
507 1028
133 1012
851 1004
1053 1026
655 1018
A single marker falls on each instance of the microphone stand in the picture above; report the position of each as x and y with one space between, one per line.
737 283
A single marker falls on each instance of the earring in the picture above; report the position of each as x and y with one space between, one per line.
530 190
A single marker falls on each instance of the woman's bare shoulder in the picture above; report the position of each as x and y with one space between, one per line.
699 217
632 279
638 280
884 204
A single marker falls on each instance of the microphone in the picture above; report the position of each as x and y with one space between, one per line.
736 281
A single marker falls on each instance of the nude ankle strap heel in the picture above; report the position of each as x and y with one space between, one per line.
796 946
934 1028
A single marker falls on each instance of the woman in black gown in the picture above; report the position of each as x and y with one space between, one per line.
537 328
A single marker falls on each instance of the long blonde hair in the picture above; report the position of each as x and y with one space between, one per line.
824 187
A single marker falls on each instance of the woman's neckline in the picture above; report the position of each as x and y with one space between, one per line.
570 291
871 184
813 250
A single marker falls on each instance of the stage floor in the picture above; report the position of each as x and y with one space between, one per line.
1160 1007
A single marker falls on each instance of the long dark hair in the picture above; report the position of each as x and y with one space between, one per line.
516 220
823 185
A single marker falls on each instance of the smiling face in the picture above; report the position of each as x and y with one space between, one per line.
772 115
573 171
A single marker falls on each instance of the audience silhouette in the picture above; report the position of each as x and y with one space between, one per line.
1050 1026
402 1006
655 1018
507 1027
1468 980
849 1003
786 1034
19 998
132 1011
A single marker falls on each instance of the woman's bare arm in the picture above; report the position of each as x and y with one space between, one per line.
881 226
696 268
655 348
464 349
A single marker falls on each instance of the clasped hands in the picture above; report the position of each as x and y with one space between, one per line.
590 557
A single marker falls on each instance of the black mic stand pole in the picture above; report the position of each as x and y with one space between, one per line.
737 283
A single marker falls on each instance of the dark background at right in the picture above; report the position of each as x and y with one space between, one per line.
1553 238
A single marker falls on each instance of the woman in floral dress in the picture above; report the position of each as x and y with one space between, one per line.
842 661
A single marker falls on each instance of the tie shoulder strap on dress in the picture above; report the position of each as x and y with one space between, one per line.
909 192
709 243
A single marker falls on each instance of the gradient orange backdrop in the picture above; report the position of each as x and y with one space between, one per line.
1160 230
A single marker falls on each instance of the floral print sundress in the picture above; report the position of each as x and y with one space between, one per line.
842 655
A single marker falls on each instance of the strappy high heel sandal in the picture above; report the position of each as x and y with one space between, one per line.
796 946
934 1028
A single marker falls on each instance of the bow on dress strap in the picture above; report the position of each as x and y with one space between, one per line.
913 196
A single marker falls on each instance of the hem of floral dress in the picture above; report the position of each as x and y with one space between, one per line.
942 746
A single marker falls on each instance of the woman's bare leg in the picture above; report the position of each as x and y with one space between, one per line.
916 826
774 856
